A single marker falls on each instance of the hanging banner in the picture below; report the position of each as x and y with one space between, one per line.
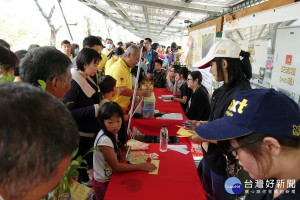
186 50
286 74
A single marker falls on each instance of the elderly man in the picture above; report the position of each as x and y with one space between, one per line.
49 65
37 138
120 71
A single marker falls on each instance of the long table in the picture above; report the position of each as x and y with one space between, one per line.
177 178
152 126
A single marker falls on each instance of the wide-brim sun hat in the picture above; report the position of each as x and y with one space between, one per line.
263 111
225 48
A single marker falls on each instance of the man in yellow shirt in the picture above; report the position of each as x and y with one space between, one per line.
120 71
102 63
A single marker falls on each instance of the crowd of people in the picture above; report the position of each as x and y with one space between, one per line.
86 101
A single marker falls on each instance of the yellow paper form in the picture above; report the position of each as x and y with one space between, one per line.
79 191
156 163
184 133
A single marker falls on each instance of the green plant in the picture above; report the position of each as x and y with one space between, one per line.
42 84
8 78
63 186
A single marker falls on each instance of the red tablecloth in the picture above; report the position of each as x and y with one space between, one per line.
177 178
152 126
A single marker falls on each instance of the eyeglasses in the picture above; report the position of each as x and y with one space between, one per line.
189 79
233 151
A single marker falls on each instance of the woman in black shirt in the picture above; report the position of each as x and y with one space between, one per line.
198 107
183 94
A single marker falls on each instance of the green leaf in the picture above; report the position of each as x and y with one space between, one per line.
80 167
91 150
74 152
84 161
79 159
42 84
73 174
69 102
8 78
74 167
75 162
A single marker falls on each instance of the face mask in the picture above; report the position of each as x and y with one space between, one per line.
109 46
76 52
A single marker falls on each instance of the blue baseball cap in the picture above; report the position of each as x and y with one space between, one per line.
264 111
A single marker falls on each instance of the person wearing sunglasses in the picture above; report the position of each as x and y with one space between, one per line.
263 129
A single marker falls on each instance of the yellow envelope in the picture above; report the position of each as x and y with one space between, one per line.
156 163
184 133
79 191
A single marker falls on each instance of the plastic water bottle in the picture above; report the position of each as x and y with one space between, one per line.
163 138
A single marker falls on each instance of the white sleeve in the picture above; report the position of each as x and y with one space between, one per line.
105 141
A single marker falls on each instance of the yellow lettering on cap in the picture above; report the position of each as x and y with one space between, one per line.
296 130
228 113
237 106
243 104
232 104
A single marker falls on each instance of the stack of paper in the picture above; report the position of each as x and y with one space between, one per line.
172 116
179 148
184 133
137 145
166 98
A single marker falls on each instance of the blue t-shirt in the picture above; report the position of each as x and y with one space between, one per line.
149 57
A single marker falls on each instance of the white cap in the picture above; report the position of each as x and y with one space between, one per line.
225 48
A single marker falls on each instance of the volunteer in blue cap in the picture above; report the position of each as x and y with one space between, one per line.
263 127
224 58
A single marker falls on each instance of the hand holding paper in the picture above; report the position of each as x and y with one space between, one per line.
184 133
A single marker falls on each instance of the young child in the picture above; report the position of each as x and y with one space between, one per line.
107 88
263 128
159 74
112 126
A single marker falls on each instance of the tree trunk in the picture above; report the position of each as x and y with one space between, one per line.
88 25
50 23
53 37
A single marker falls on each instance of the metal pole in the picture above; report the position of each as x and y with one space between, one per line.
62 12
134 93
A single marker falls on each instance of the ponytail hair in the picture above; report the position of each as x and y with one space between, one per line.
184 71
246 67
237 69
